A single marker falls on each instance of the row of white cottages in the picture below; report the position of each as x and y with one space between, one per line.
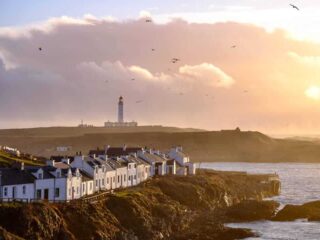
68 178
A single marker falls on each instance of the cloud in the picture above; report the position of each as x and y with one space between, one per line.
208 74
145 14
87 63
308 60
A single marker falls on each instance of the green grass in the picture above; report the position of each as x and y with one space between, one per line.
7 159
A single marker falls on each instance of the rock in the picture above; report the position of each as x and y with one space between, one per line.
310 211
251 210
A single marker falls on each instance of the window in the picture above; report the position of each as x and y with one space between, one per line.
125 176
129 166
102 182
107 180
57 192
118 179
114 179
40 175
69 191
135 177
83 187
77 190
96 183
135 165
58 174
23 190
5 191
96 170
129 178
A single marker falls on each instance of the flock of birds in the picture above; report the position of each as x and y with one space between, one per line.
175 60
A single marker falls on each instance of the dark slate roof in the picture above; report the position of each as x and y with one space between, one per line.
46 171
117 163
12 176
85 177
154 157
59 158
136 160
115 151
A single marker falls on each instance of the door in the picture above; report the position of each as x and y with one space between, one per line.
38 193
13 192
46 194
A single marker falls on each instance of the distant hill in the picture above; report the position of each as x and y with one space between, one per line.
202 146
79 131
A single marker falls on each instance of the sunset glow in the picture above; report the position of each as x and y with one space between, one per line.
233 58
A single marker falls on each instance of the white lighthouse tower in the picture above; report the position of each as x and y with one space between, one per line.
120 122
120 110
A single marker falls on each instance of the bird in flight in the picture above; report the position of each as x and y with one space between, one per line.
148 20
40 48
152 49
132 79
174 60
294 6
234 46
139 101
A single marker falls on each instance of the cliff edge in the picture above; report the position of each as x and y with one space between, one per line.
170 207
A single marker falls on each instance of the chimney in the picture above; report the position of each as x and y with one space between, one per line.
50 162
106 148
66 160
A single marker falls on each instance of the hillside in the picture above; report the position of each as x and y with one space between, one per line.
7 160
202 146
79 131
171 207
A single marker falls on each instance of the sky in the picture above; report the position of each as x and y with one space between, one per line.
247 63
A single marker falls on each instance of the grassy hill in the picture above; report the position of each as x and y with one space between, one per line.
202 146
7 160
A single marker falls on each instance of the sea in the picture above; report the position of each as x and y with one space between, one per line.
300 183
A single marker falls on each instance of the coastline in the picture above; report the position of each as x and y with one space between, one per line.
171 207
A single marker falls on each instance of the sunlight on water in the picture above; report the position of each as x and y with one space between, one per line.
300 183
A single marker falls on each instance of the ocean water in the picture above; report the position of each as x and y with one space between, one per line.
300 183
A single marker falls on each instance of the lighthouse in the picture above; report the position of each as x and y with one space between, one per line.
120 122
120 110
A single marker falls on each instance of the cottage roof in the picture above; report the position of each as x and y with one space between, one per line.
13 176
61 165
115 151
85 177
154 157
117 163
59 158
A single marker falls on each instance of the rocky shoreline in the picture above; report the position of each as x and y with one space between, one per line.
170 207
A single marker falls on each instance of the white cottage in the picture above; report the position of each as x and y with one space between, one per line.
185 166
16 184
157 161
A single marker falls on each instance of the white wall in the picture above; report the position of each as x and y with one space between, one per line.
121 177
42 184
132 174
18 194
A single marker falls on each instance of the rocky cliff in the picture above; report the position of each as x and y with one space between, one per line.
171 207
